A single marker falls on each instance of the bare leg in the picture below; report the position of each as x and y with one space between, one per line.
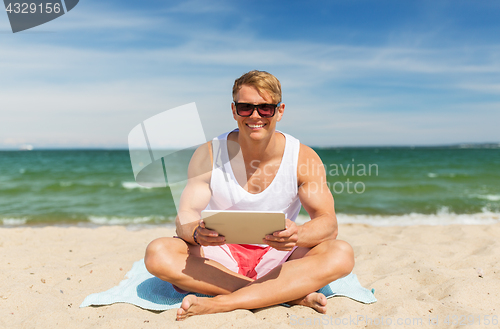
182 264
291 281
166 256
314 300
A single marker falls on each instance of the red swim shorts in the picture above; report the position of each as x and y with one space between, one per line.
252 261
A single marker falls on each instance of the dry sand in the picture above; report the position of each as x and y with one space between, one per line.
448 274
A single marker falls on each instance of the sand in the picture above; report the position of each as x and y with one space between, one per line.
423 276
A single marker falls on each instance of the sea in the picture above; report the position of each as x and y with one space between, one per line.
381 186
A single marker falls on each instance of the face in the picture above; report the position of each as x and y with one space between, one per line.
256 126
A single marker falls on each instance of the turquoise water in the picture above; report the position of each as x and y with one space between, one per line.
426 184
418 180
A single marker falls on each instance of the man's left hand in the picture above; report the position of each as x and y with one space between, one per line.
284 240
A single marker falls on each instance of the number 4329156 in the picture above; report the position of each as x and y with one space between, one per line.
32 8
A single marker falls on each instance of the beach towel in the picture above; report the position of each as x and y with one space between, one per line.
142 289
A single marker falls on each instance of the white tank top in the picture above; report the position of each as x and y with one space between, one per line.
280 195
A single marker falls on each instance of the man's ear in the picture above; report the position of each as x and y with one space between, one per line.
233 109
279 111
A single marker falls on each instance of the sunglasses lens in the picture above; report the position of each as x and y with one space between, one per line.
244 110
266 110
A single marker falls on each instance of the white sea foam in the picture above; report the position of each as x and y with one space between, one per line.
103 220
489 197
134 185
14 221
434 175
442 217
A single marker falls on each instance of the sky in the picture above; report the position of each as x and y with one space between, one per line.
353 73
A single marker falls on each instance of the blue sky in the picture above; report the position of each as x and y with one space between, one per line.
354 73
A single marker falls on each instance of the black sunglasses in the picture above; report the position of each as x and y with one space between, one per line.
264 110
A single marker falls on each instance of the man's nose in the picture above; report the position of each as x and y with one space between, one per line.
255 114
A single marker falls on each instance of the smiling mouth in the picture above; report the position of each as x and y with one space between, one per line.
255 126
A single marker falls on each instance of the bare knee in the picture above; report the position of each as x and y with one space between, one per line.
340 258
154 255
159 256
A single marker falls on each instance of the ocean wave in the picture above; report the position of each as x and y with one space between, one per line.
84 184
489 197
441 217
450 175
113 220
14 221
134 185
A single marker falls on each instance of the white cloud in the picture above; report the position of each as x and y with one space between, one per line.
492 88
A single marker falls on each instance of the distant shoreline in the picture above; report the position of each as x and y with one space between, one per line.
485 145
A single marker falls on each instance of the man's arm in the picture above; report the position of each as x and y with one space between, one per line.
316 199
195 198
195 195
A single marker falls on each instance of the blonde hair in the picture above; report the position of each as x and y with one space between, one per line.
262 81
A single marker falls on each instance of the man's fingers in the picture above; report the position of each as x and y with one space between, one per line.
287 233
282 234
208 237
211 241
275 238
280 246
202 230
291 238
207 232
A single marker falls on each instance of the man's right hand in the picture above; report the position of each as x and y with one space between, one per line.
208 237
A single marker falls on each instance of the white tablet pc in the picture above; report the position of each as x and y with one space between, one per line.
243 227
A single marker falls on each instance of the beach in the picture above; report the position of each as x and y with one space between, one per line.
424 276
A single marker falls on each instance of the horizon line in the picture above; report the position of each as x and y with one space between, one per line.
122 148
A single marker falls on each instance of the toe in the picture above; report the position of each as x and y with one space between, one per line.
181 314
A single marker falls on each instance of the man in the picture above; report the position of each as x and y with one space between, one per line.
292 264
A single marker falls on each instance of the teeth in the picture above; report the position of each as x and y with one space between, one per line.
256 126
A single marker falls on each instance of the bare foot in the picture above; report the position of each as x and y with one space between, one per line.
314 300
194 305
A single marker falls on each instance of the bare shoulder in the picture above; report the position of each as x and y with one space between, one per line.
309 164
201 161
307 152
